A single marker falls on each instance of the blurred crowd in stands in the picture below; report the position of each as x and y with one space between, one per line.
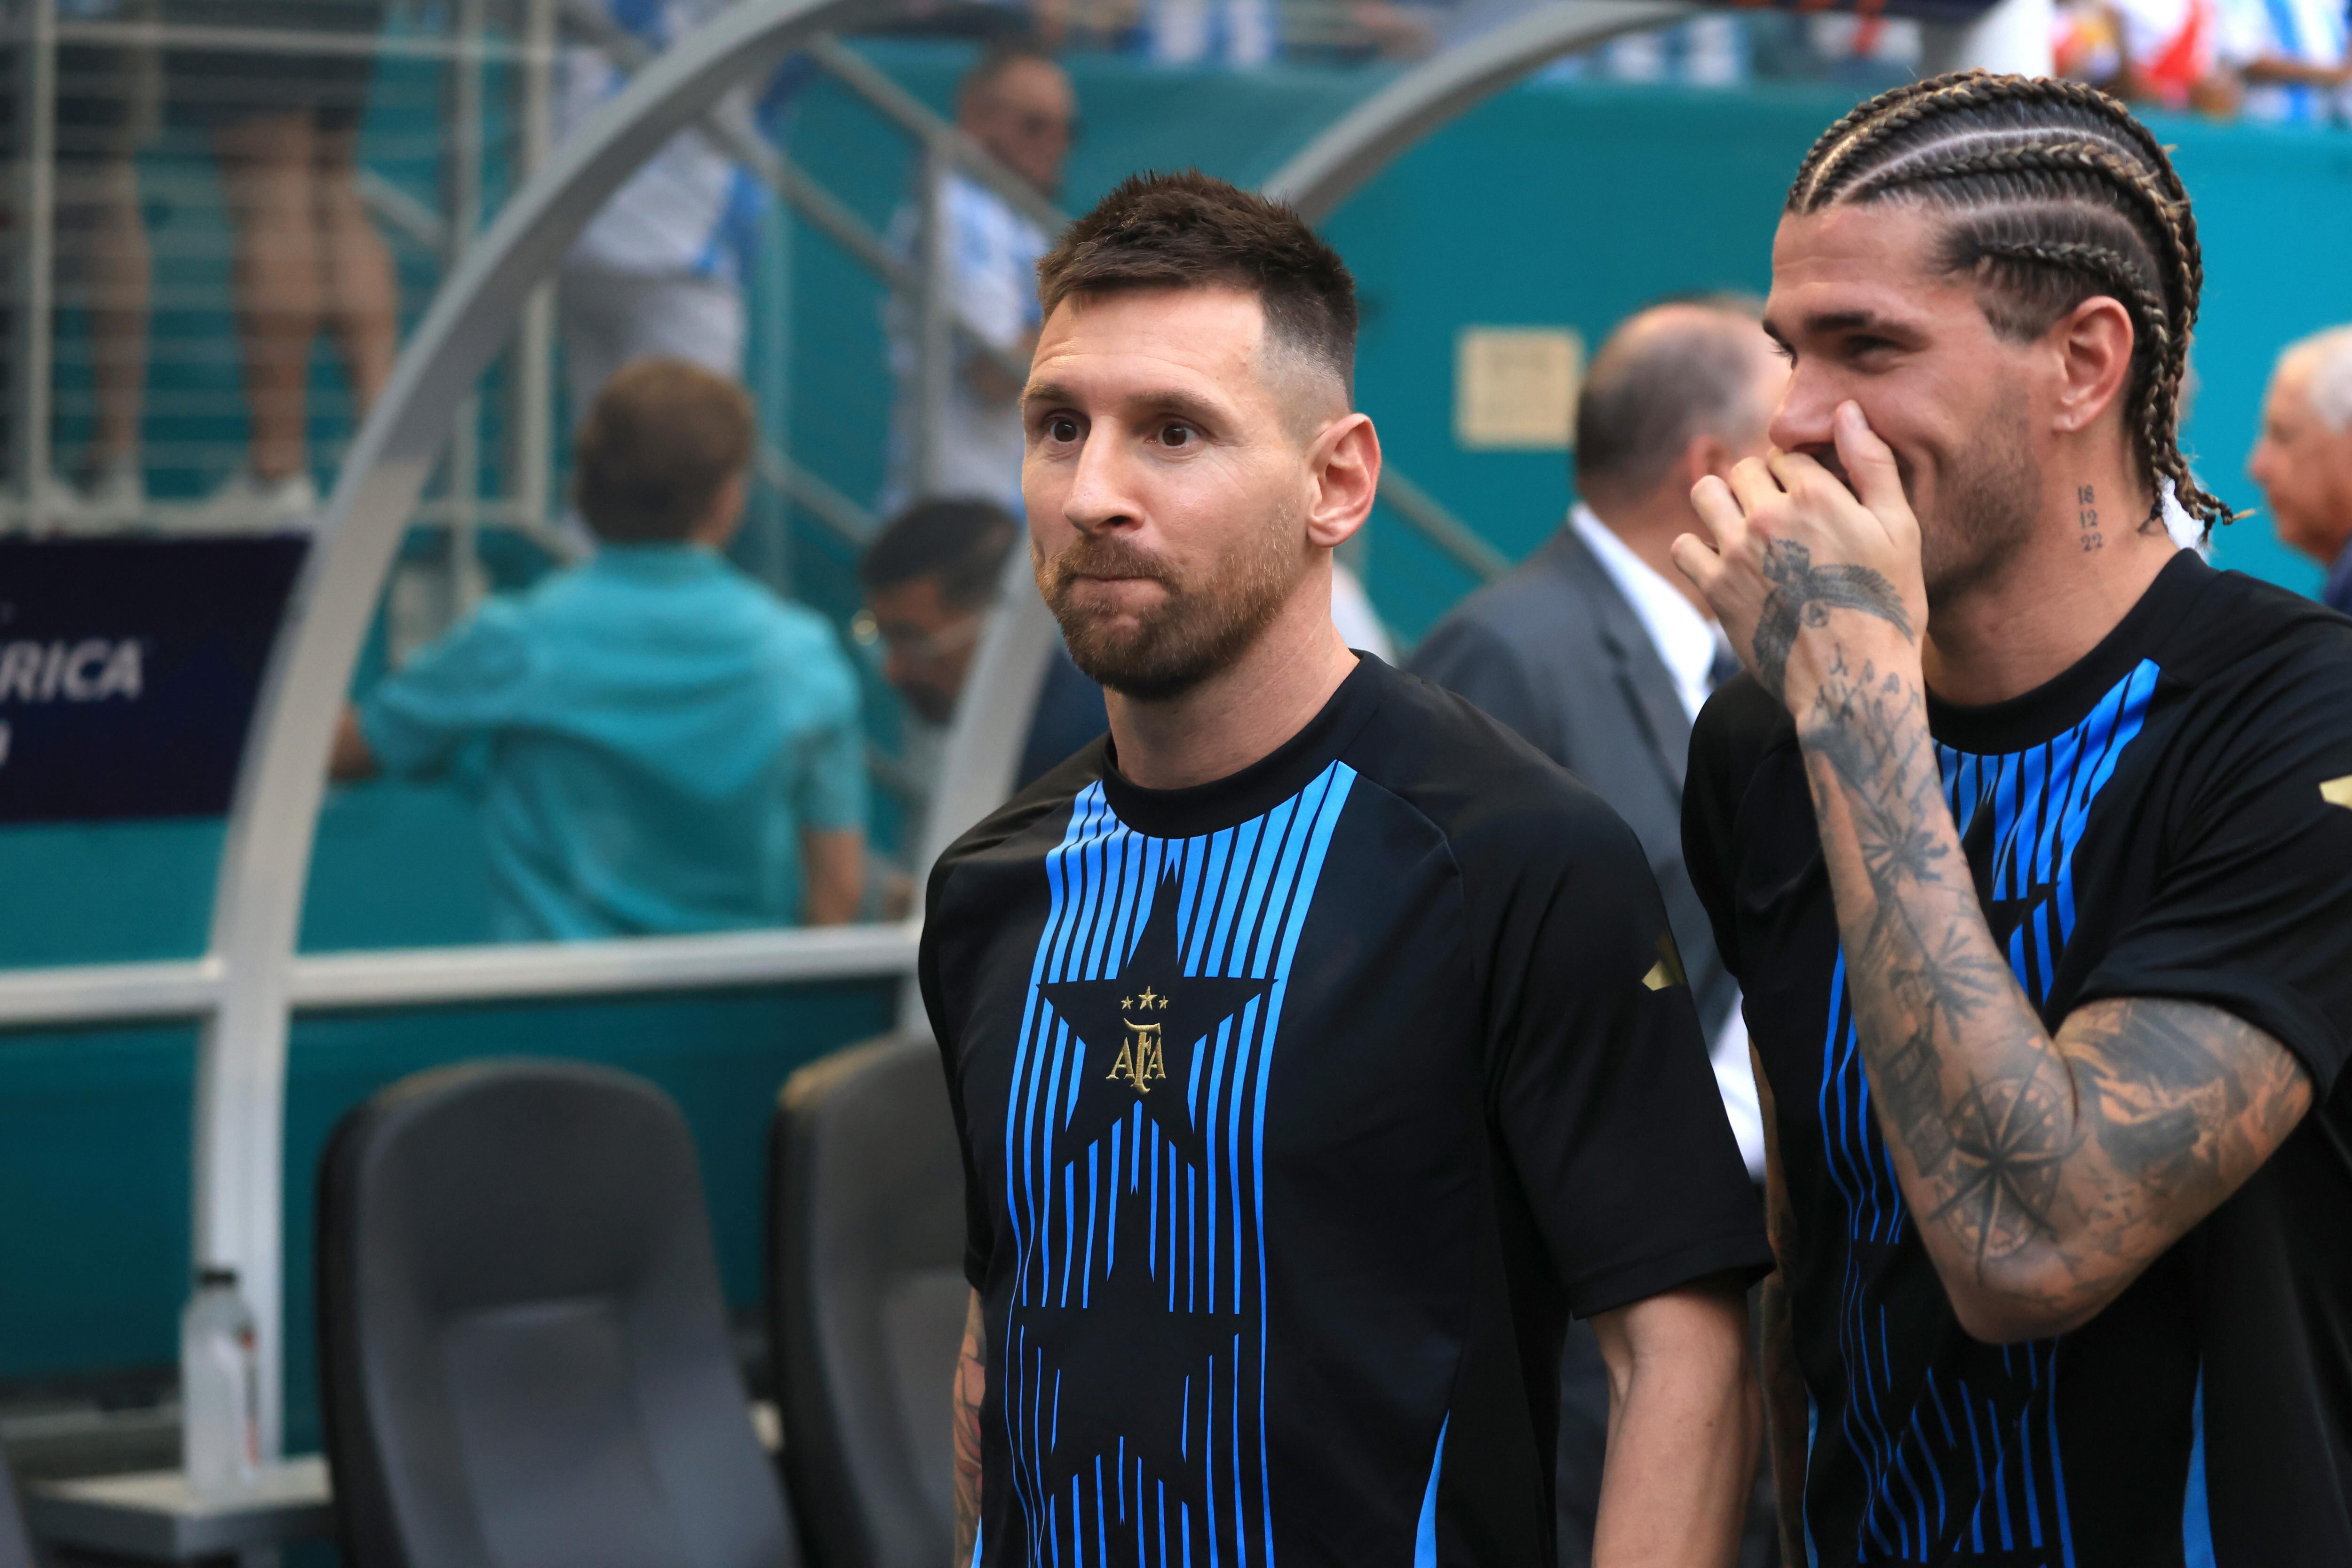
2281 60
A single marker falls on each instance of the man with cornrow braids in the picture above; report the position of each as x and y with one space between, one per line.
2028 838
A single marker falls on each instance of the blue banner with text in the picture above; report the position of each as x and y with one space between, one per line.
128 669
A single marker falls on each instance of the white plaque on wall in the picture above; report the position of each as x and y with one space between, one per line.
1515 388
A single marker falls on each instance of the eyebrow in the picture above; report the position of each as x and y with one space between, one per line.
1174 401
1828 322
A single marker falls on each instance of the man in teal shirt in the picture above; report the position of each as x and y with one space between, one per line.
671 746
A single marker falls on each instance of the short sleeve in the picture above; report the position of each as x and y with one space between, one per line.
1473 663
831 786
1606 1098
990 284
468 682
2252 908
980 1234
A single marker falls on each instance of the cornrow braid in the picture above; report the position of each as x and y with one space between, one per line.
2057 194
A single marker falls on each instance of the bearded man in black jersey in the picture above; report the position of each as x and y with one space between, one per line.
1316 1045
2029 837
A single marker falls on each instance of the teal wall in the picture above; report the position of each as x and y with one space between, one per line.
1552 205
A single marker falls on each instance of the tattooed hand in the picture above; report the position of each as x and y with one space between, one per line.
1792 545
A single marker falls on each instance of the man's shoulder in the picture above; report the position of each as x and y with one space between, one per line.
1011 832
1488 792
1740 725
2244 632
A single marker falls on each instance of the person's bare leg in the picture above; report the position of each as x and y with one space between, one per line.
266 164
362 303
120 285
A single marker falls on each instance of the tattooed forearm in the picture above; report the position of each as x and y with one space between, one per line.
1803 594
2043 1174
970 1388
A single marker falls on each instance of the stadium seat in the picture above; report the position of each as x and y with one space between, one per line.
16 1546
867 1301
523 1350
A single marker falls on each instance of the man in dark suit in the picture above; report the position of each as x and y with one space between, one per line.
1599 652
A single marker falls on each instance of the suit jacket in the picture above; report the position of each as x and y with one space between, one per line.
1556 652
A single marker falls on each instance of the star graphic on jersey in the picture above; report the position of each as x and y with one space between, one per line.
1139 1029
1163 1380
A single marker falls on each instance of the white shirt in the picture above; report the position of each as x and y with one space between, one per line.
993 254
1352 612
1686 642
690 211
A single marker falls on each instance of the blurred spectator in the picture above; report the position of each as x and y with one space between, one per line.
2304 460
1860 53
285 128
930 578
2290 55
1704 51
1084 24
659 270
1235 33
2163 52
669 747
1017 103
107 97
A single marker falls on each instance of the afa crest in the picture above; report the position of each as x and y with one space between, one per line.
1141 1061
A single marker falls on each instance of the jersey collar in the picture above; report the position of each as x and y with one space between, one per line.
2059 702
1265 784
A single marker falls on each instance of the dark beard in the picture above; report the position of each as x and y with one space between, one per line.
1199 630
1989 512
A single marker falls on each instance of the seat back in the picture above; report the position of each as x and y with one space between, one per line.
524 1360
866 1302
15 1544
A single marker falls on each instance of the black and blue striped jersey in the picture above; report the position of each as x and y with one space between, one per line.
1299 1109
2166 818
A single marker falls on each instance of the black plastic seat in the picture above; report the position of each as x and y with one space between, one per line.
16 1545
523 1353
867 1301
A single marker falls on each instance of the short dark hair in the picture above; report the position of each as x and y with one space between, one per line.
1000 56
1654 388
1190 230
962 542
2051 194
657 445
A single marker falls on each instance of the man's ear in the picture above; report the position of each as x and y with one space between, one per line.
2093 345
1707 454
1344 465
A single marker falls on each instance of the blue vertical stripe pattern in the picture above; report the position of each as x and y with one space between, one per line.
1949 1469
1424 1536
1243 896
2196 1516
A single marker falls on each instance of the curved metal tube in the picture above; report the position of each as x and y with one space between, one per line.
265 861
